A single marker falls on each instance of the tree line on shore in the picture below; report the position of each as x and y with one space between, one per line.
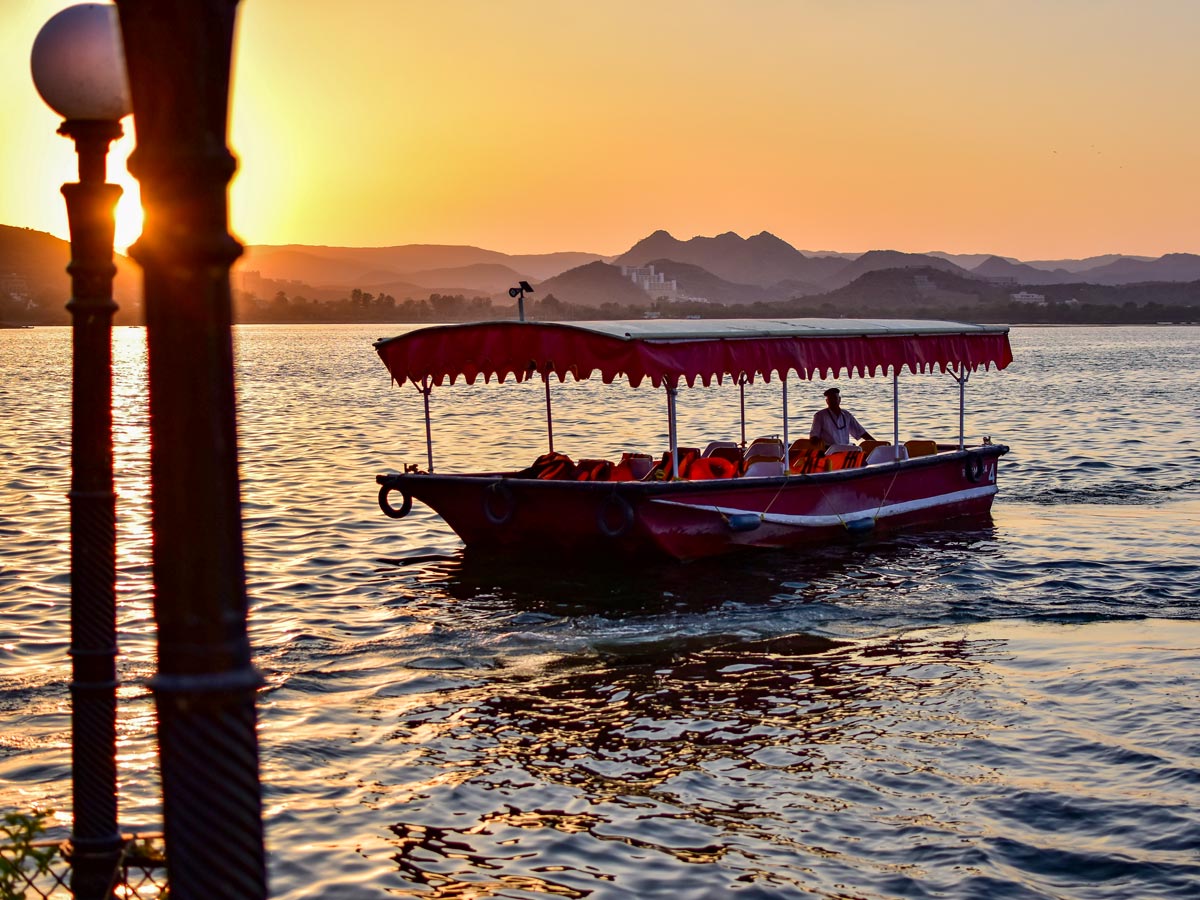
360 306
367 308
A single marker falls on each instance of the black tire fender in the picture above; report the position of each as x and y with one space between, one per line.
615 516
974 468
498 503
390 511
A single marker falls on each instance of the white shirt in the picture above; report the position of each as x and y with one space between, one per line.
835 428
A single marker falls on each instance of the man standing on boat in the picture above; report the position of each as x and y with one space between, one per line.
833 425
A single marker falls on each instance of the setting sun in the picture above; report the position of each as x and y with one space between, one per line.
129 207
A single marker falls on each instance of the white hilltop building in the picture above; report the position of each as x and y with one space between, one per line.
18 288
655 283
1027 297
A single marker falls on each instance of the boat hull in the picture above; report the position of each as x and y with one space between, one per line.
693 519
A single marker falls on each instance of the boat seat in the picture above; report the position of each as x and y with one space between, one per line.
920 448
757 466
886 454
802 445
840 448
772 446
719 445
867 446
632 467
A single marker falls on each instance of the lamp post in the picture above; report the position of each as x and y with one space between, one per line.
79 70
178 53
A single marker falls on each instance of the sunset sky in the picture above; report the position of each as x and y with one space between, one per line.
1041 129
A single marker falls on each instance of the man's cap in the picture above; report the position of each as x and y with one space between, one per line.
833 390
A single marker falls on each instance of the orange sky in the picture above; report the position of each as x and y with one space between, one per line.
1032 129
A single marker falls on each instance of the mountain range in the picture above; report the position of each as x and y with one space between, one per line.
727 269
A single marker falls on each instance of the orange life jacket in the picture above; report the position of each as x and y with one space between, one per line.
550 466
663 470
594 470
707 467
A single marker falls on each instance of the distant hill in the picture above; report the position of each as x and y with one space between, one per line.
398 259
969 261
698 282
1171 267
489 278
766 261
593 284
266 288
39 261
792 287
927 291
310 267
763 259
1179 294
350 267
1079 266
33 255
1021 273
546 265
876 260
922 292
726 269
913 287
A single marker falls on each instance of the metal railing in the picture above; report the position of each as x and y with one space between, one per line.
42 870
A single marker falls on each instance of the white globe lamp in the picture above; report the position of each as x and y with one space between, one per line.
78 64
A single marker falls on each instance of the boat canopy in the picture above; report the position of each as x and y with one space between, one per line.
670 351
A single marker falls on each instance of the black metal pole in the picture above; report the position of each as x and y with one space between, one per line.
95 836
178 55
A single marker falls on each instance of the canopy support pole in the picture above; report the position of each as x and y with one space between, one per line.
672 433
742 388
895 406
785 417
427 389
549 417
962 377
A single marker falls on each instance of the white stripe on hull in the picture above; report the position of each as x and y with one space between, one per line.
894 509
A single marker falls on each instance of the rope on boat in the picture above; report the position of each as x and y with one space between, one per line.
762 515
883 502
841 519
847 525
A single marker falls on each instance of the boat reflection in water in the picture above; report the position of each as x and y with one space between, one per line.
692 503
626 764
599 756
867 569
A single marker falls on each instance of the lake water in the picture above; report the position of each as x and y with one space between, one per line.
1008 711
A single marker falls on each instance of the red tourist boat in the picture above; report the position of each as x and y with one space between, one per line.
770 492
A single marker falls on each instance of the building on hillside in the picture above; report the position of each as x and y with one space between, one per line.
654 283
924 285
1027 297
18 288
13 284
